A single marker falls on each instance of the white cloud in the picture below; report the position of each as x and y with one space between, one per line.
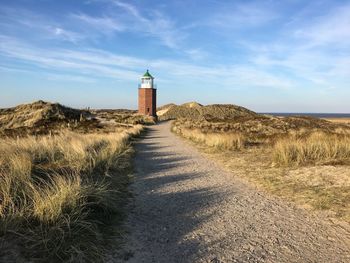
332 28
312 66
243 16
196 54
294 58
62 60
318 56
106 25
78 27
41 27
89 63
66 35
150 22
156 24
70 78
130 8
6 68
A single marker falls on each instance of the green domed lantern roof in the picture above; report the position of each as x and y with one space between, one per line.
147 75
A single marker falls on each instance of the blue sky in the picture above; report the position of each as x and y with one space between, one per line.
281 56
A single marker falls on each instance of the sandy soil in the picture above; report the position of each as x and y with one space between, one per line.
188 209
334 176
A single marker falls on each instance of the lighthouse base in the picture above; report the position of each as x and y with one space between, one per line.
147 102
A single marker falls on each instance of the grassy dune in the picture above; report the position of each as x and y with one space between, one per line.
59 193
305 163
339 120
229 141
43 118
315 148
124 116
199 112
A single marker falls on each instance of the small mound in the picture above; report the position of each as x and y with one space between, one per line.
196 111
166 106
123 116
38 113
164 109
192 105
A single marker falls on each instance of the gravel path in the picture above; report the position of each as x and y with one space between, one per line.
188 209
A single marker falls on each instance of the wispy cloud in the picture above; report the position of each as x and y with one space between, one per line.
197 53
330 28
290 47
242 16
96 63
64 34
105 24
315 51
120 16
42 27
156 24
63 60
69 78
128 17
130 8
5 68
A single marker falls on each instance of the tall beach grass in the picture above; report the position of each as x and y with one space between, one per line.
57 193
228 141
315 148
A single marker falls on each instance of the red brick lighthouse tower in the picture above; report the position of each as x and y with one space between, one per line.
147 96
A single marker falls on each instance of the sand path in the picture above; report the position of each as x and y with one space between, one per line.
188 209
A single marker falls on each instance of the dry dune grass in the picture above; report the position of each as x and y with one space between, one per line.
39 113
339 120
196 111
264 130
42 118
293 158
230 141
57 193
124 116
317 147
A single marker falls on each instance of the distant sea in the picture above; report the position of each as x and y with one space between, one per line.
316 115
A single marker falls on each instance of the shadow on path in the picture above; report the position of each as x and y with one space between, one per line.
187 209
167 207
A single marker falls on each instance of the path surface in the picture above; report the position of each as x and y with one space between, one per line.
188 209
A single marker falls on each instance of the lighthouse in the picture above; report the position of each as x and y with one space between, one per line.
147 95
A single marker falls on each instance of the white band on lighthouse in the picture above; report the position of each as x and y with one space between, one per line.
146 83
